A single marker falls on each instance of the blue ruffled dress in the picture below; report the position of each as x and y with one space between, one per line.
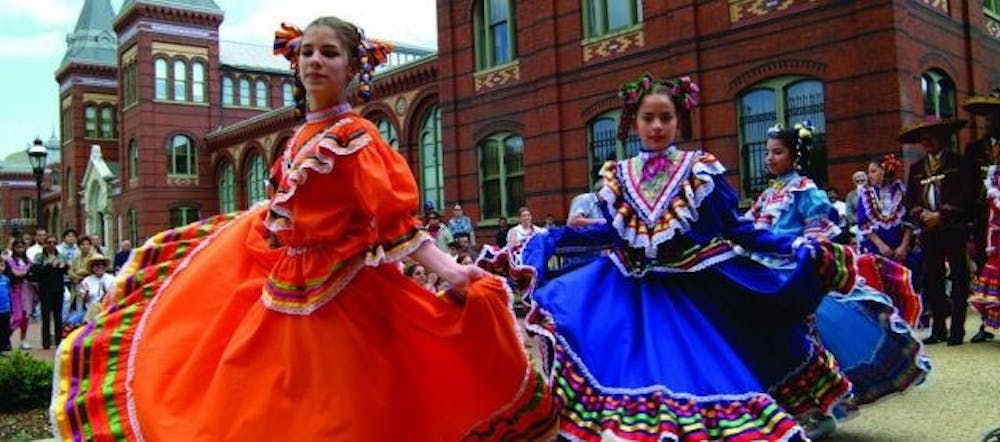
873 344
674 333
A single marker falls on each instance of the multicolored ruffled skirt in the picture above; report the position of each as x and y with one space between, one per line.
986 298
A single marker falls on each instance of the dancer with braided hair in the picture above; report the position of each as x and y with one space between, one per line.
675 334
863 330
291 321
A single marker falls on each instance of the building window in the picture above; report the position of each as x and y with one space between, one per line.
160 83
56 178
67 124
787 100
286 94
131 85
501 175
244 92
182 216
70 191
255 180
227 91
198 82
496 33
133 227
388 132
431 168
602 139
133 159
939 94
227 188
602 17
180 80
90 121
26 208
260 93
107 122
182 158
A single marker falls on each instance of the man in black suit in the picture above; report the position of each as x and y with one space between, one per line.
983 153
939 197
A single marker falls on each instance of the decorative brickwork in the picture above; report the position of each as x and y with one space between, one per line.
939 5
615 44
498 77
740 10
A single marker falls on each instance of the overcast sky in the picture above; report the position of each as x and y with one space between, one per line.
33 42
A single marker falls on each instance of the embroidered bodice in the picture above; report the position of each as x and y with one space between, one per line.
681 218
881 207
793 205
341 199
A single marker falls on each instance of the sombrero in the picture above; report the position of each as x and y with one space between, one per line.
931 125
984 104
95 259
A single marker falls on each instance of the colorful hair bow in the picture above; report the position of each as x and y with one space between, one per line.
684 91
286 43
687 91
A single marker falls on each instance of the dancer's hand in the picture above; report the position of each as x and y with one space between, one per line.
899 255
465 275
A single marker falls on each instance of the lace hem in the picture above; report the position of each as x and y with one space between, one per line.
876 216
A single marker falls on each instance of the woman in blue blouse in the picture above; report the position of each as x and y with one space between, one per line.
871 342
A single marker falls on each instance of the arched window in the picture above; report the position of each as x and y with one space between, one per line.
133 159
160 83
286 94
939 94
227 188
496 33
602 139
788 100
227 91
182 160
255 180
260 93
431 168
244 92
133 227
183 215
388 132
501 175
198 82
602 17
180 80
90 121
107 122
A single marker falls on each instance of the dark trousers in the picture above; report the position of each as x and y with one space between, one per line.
4 331
979 239
940 246
52 304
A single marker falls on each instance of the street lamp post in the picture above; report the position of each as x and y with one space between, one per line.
37 154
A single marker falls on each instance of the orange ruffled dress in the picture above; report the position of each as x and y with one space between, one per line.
220 337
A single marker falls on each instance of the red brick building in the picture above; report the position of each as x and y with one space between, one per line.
518 106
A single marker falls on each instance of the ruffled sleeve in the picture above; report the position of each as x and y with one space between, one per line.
814 208
345 200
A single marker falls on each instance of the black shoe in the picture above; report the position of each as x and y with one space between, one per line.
932 339
955 341
982 336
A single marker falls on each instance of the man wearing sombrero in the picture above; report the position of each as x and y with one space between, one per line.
939 199
983 153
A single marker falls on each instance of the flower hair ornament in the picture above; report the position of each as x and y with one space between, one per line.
683 92
371 54
891 164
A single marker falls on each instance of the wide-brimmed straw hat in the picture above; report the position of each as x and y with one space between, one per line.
97 258
984 104
929 125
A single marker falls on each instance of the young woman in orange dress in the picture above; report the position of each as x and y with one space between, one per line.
291 321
